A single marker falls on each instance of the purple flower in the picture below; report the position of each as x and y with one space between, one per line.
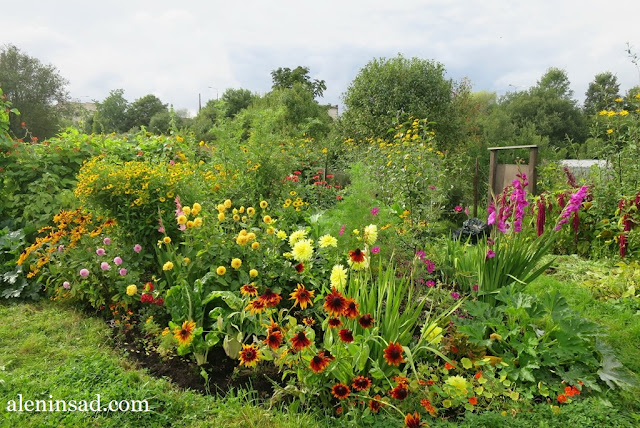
84 273
573 206
107 241
66 285
137 248
430 283
475 287
60 248
490 254
432 187
341 230
430 265
420 254
375 250
105 266
458 208
100 252
123 271
455 295
375 211
117 261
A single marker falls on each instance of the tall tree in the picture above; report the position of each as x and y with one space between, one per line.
111 113
236 100
141 111
548 106
285 78
36 90
386 89
601 93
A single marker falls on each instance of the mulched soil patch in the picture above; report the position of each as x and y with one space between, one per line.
224 372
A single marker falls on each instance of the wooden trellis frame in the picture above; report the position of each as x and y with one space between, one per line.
501 175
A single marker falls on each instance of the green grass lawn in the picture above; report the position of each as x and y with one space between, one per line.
49 352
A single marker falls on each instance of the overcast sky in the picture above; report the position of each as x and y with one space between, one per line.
178 49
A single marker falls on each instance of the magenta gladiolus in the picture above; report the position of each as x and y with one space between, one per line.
490 254
573 206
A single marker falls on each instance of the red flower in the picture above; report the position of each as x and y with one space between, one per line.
393 354
360 383
340 391
346 335
375 404
400 392
335 303
366 321
159 301
274 340
478 375
351 309
335 323
269 298
562 398
428 406
300 341
473 401
413 421
23 124
148 287
448 366
320 362
356 256
273 327
146 298
299 267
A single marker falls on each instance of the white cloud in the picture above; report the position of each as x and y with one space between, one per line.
177 50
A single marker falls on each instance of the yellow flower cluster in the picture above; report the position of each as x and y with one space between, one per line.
69 228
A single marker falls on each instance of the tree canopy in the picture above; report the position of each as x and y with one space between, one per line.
35 89
141 111
400 87
601 93
285 78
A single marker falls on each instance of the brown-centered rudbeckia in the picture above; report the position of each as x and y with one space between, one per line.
300 341
346 335
340 391
249 355
366 321
393 354
302 296
184 334
335 303
360 383
351 309
320 362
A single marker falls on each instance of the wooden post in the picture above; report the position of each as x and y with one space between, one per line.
533 171
475 191
493 169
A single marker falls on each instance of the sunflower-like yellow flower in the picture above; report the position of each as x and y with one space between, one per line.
221 270
132 290
328 241
227 203
182 219
263 204
167 266
253 273
302 250
236 263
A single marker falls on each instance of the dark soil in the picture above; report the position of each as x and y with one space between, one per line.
224 373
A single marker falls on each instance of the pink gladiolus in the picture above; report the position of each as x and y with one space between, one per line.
572 207
490 254
341 230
